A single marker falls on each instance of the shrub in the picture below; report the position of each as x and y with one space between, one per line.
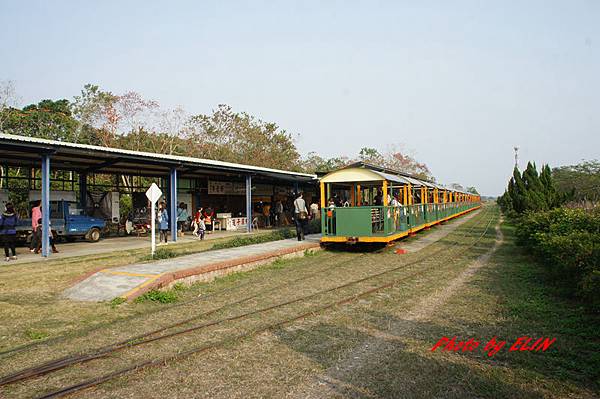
158 296
568 243
314 226
161 253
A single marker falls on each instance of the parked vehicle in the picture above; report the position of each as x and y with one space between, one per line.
67 222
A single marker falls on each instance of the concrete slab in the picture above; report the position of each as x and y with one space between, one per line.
133 280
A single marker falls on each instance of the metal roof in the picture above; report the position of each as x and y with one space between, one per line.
115 160
394 175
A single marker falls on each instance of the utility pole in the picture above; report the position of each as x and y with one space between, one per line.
516 157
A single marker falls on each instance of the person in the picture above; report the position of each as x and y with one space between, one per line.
38 237
36 214
8 231
394 201
378 200
163 222
300 216
331 203
346 203
314 211
200 228
279 213
209 216
196 222
266 211
182 217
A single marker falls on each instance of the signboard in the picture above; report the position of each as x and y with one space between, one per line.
153 195
216 187
236 223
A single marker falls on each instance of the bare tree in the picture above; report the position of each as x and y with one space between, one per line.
8 99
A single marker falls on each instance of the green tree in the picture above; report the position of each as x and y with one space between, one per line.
581 182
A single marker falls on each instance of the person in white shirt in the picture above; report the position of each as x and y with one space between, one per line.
300 216
314 210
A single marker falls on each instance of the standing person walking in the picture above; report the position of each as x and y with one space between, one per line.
300 216
8 231
36 214
314 211
279 213
182 218
163 222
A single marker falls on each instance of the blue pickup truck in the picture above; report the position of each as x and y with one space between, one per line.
67 222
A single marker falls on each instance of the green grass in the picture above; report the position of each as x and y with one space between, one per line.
167 296
160 253
36 335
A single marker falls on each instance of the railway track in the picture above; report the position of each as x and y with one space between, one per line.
157 362
143 338
150 336
13 351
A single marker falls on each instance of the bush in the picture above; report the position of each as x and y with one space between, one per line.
314 226
568 243
161 253
158 296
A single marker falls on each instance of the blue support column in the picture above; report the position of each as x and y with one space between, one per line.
173 203
249 203
83 190
45 205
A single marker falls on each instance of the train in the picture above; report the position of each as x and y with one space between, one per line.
364 203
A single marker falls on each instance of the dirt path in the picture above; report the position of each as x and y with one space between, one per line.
333 380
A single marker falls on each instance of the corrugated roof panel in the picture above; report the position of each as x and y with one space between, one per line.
163 157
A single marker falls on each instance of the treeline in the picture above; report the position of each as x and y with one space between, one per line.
565 239
129 121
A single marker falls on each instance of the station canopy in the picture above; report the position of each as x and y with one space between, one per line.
25 151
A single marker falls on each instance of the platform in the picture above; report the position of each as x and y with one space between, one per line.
134 280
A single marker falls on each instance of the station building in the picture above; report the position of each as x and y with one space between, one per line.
90 175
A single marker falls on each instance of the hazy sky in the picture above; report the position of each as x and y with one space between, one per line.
458 83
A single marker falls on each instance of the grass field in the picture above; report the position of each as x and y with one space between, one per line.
473 283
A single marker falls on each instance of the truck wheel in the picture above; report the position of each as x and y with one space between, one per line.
93 235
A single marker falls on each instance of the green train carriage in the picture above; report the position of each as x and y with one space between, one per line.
383 205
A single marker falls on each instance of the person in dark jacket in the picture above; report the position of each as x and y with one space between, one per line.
8 231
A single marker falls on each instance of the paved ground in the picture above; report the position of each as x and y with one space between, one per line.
129 281
82 248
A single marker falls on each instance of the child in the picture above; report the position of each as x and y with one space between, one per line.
201 227
38 238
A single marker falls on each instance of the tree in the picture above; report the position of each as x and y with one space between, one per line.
530 191
315 163
581 182
239 137
48 119
472 190
8 100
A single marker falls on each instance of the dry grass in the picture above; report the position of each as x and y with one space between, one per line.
350 266
374 347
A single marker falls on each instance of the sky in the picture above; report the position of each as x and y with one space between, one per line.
456 84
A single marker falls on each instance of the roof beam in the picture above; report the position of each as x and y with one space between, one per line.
104 164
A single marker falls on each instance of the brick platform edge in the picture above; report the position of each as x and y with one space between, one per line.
210 272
